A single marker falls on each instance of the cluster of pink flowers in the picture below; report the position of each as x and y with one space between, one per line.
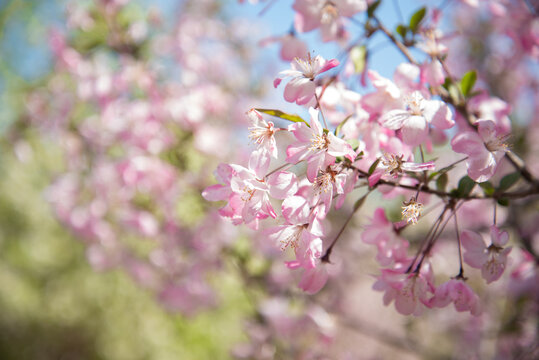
369 140
402 114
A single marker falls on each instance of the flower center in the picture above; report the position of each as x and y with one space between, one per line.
319 142
414 103
293 240
248 193
392 163
307 67
411 211
324 181
260 134
498 143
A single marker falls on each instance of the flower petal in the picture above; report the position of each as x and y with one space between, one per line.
282 184
438 114
468 143
216 193
415 130
299 90
475 253
313 279
394 119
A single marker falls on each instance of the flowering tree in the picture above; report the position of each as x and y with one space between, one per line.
419 167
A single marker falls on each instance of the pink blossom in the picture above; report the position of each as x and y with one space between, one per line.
262 132
492 260
317 147
381 233
461 295
391 165
347 179
300 89
329 181
389 94
485 148
313 279
186 297
410 291
302 231
432 73
247 189
415 118
307 244
492 108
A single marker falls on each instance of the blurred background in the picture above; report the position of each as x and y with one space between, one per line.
53 305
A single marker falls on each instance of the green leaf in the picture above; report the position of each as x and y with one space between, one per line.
374 166
466 184
467 82
432 175
372 8
507 181
487 187
402 30
446 83
282 115
441 171
503 202
441 182
358 55
416 19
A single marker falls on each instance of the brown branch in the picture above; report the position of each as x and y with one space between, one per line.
404 50
420 187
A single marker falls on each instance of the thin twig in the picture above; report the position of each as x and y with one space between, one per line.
427 238
278 169
404 50
325 257
461 270
321 111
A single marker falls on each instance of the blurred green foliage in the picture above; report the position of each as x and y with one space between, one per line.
54 306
